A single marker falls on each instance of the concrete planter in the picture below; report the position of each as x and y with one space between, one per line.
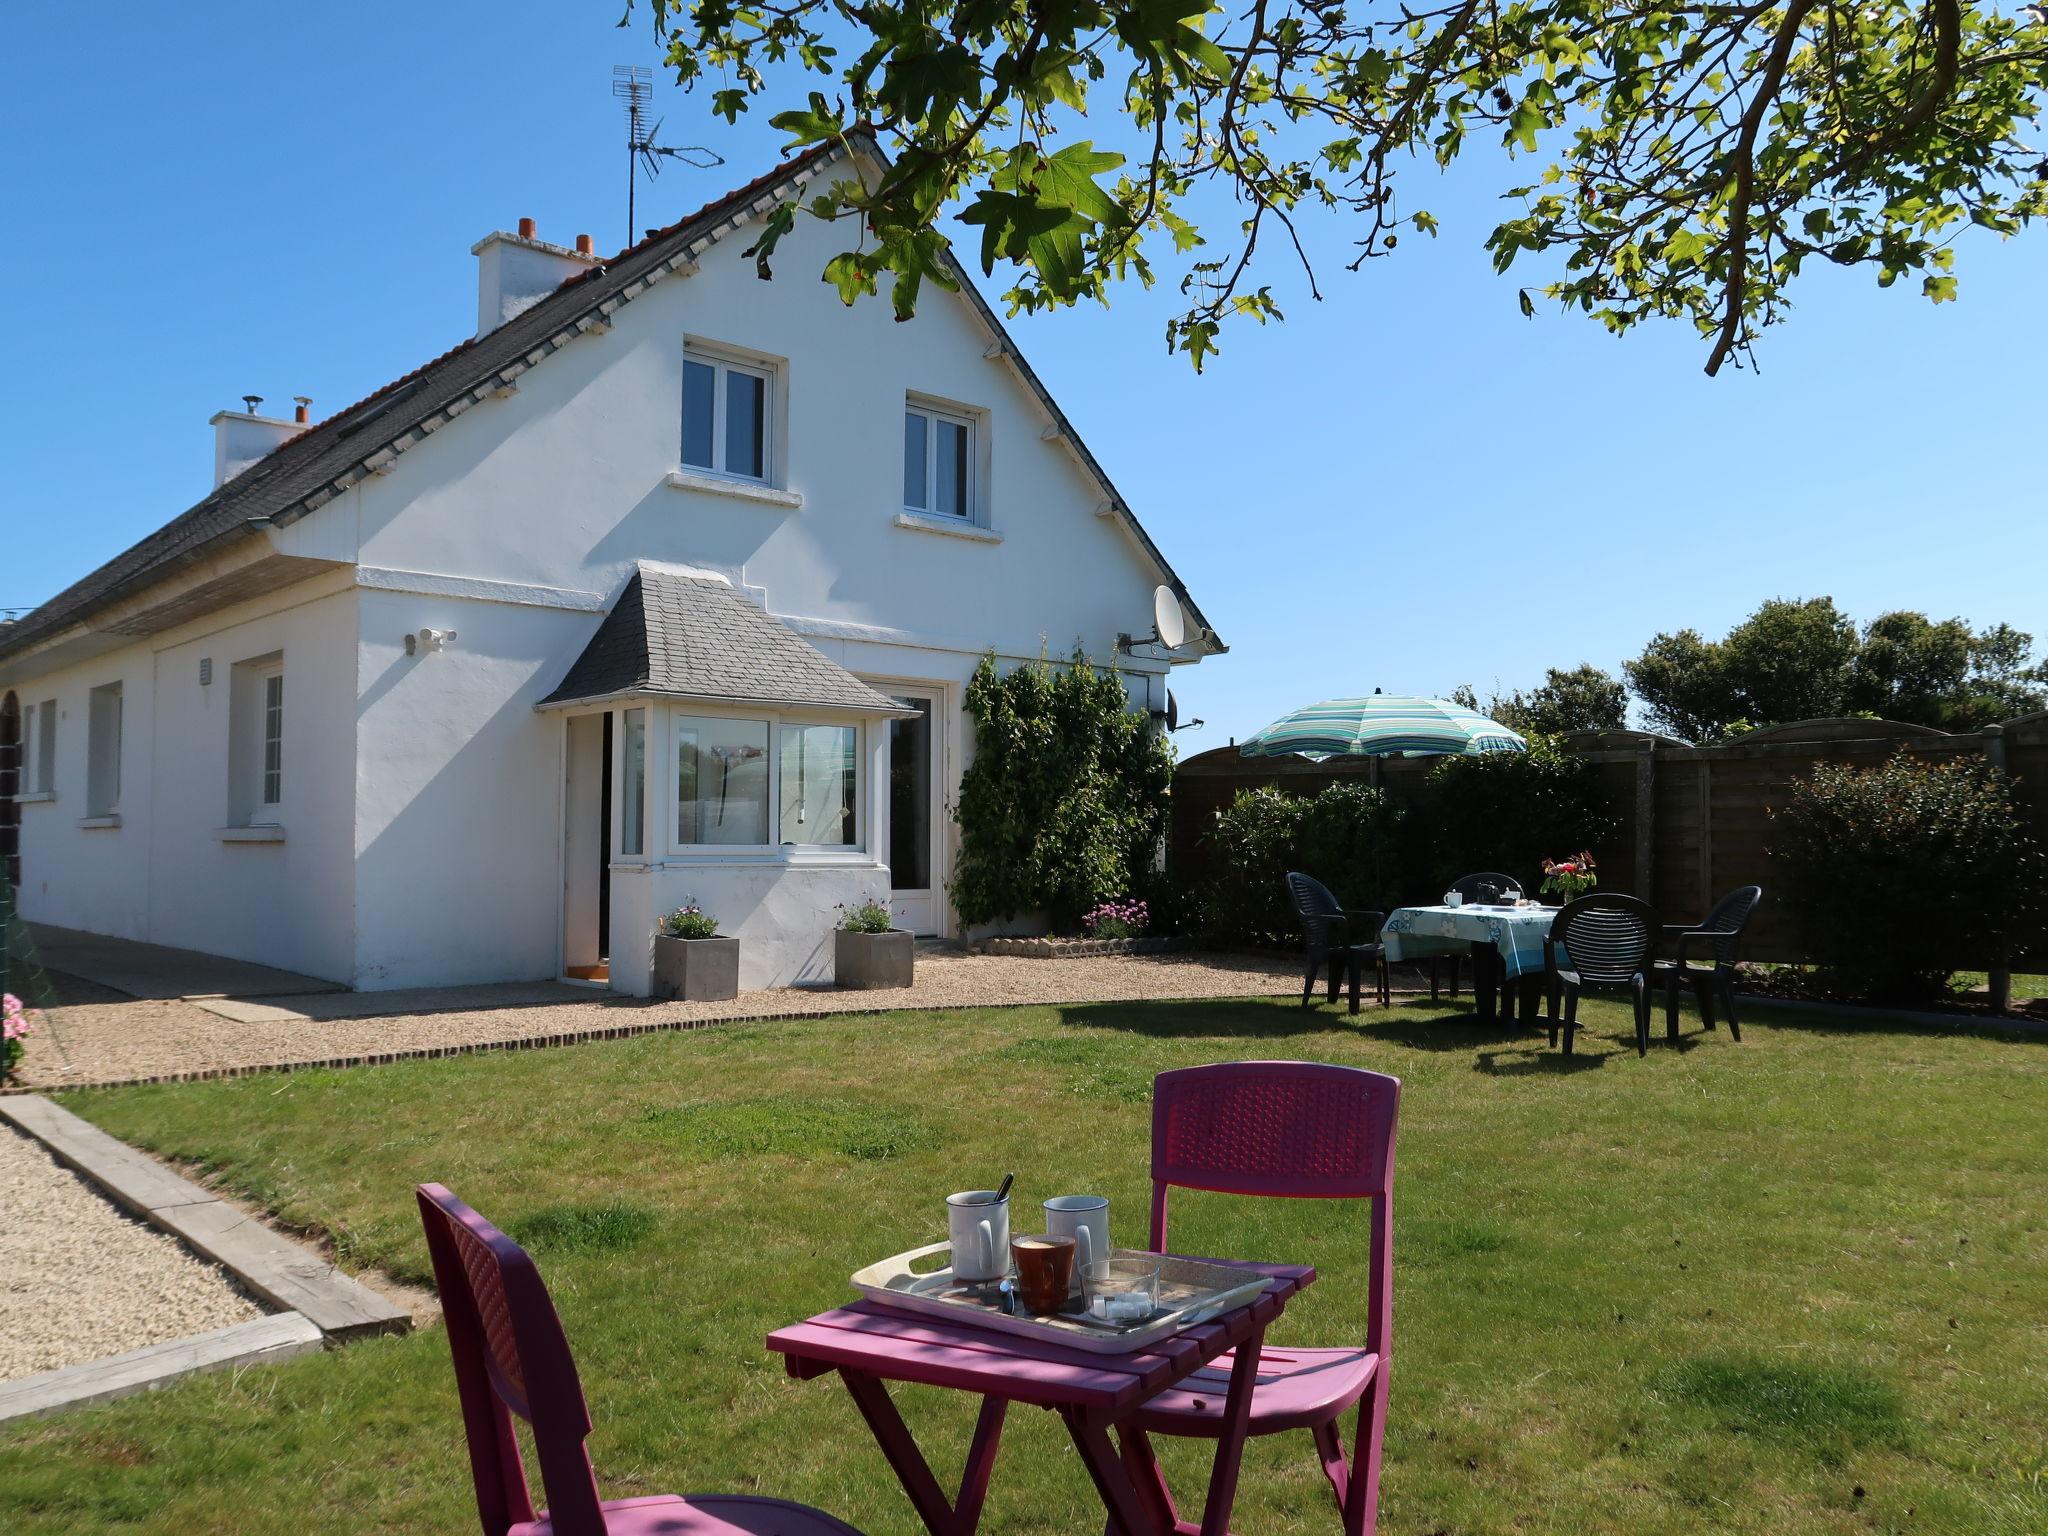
863 961
696 970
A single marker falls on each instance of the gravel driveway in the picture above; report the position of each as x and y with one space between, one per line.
101 1036
80 1281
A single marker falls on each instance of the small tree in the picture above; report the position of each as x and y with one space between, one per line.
1905 873
1067 797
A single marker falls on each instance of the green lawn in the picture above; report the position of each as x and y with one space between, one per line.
1796 1285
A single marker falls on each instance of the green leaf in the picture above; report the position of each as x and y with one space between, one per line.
1940 289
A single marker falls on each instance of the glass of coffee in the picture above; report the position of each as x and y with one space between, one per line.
1045 1271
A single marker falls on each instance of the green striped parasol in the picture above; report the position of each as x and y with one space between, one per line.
1382 725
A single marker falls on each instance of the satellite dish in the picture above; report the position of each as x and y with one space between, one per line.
1172 711
1169 620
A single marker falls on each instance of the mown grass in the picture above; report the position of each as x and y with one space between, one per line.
1797 1285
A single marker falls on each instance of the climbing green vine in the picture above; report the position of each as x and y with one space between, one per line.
1066 798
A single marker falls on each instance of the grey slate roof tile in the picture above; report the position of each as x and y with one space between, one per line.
696 637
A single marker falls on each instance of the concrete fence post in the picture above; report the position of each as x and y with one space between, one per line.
2001 962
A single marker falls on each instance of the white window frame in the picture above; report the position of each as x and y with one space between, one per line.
725 362
36 776
269 805
934 412
249 682
776 850
103 751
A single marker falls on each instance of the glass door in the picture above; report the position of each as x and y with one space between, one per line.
913 784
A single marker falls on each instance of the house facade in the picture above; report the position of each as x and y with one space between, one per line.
664 587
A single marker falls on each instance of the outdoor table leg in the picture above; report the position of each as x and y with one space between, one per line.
1237 1416
941 1517
1483 987
1128 1511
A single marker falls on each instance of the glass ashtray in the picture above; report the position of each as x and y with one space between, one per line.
1122 1290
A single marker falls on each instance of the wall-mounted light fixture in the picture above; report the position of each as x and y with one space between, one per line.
429 640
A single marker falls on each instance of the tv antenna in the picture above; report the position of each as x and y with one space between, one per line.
633 84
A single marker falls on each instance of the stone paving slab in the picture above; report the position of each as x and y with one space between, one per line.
158 971
277 1337
400 1002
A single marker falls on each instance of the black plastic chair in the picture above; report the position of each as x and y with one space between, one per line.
1332 933
1607 939
1484 887
1720 937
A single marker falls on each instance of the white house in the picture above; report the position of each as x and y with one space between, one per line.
663 587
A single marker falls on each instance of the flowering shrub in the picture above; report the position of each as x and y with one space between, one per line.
868 917
1570 878
17 1023
1117 920
690 922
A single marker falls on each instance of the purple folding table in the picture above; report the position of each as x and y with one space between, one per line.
870 1345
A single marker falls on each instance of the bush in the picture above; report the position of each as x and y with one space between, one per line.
1065 802
1904 873
1509 811
1348 836
865 917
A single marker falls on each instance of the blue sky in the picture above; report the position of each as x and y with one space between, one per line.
1407 486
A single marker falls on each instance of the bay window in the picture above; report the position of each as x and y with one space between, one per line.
758 784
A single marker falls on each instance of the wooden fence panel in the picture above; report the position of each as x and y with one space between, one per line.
1709 809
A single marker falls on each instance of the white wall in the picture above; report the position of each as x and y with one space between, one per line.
165 875
459 791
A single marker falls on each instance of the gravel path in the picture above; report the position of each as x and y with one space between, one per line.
104 1037
80 1281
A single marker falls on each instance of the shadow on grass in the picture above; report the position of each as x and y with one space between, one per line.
1829 1410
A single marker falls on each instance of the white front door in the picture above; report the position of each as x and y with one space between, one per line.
914 780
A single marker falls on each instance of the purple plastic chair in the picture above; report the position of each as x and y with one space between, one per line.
512 1357
1306 1131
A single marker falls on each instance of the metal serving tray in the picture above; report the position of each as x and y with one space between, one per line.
1190 1292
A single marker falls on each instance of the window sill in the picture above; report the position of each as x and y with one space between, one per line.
739 490
953 527
249 834
99 823
36 797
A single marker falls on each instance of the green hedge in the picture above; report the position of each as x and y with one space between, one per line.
1902 874
1349 837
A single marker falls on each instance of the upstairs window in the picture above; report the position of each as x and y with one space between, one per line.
103 750
938 462
726 407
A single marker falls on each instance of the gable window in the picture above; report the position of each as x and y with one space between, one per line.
256 742
103 750
726 409
938 461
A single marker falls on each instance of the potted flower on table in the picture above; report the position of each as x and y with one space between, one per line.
869 951
692 961
1569 879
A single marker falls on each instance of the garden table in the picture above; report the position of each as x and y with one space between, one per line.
1506 943
870 1345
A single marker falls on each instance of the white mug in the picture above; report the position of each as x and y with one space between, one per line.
1084 1218
1454 898
979 1226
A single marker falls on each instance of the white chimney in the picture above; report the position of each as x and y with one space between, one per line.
515 272
240 438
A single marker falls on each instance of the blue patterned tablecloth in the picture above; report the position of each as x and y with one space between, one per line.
1517 932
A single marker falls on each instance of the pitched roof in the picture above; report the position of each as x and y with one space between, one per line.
696 637
325 460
